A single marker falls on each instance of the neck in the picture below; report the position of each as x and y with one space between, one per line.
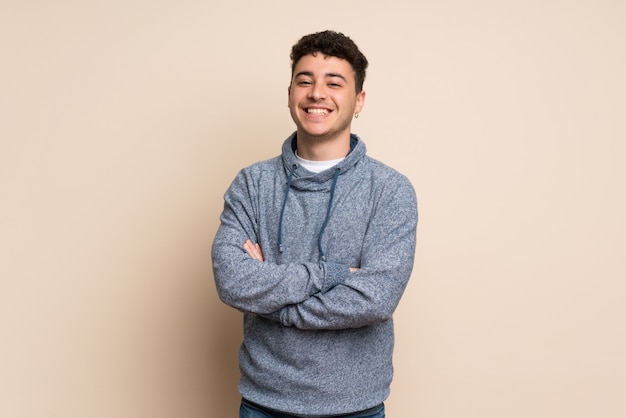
323 149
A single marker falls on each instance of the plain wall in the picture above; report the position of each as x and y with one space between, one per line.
123 122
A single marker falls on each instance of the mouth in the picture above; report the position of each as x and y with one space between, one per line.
316 111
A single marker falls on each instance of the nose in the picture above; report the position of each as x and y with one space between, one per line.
316 92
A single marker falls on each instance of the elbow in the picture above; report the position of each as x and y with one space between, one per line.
383 313
383 308
228 289
226 296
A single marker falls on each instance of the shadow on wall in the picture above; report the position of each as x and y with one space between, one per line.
230 151
225 339
224 332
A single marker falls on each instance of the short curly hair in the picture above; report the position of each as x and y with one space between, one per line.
334 44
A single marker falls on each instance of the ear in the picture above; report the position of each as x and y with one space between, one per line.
360 101
288 94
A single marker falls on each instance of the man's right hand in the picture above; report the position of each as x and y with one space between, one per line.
253 250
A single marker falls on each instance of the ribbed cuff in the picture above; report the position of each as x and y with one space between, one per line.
335 274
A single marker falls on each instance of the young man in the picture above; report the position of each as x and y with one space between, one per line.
315 247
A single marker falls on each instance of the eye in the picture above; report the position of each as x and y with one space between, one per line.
304 83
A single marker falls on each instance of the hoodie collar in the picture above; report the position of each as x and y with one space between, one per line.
306 180
299 178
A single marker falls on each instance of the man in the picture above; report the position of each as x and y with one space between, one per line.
315 247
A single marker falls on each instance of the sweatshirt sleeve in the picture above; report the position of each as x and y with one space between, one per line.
371 294
248 284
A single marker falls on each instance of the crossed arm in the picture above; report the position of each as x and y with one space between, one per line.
255 251
317 295
367 296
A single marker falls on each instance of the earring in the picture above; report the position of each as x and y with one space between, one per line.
356 115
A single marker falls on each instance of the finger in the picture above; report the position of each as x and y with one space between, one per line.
259 251
253 250
249 248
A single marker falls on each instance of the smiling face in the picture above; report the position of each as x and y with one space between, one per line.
323 98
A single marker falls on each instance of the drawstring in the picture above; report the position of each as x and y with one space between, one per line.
282 210
326 219
330 204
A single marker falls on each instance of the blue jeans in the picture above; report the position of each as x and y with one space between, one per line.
250 410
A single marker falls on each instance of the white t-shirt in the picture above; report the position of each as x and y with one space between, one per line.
317 166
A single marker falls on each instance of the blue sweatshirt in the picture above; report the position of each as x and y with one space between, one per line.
318 339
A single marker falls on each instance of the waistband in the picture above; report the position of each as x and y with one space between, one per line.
278 414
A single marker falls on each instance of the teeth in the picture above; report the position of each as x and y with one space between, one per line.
317 111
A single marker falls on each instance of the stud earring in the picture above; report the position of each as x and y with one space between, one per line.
356 115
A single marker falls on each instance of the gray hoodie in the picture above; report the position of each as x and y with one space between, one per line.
318 340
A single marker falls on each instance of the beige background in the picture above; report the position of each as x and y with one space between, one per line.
122 122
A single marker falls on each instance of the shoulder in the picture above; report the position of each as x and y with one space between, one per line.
259 168
253 177
384 173
388 186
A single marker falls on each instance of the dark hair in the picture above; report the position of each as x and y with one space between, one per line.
333 44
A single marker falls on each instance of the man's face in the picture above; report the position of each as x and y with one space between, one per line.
323 98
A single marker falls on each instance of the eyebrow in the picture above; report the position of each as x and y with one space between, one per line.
310 74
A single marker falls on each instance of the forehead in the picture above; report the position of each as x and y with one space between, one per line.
320 65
